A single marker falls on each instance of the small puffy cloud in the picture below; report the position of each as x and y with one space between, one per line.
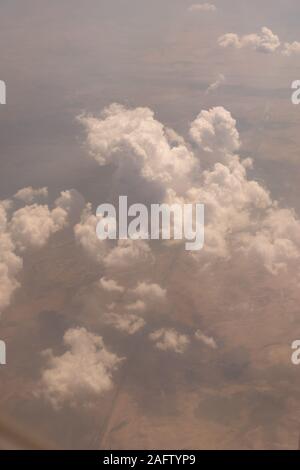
29 194
81 373
170 340
266 41
291 48
207 340
214 131
110 285
31 226
150 292
216 84
230 40
202 7
125 322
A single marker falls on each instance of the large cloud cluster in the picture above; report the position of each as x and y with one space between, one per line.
241 219
241 222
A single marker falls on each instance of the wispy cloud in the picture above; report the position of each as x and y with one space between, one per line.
202 7
216 84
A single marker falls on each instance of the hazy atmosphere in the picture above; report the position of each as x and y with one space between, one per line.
141 344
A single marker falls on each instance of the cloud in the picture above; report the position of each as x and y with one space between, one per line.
31 226
137 306
214 131
207 340
85 235
170 340
27 227
241 219
29 194
124 253
149 296
216 84
72 202
110 285
291 48
150 292
125 322
276 242
202 7
10 266
266 41
134 139
81 373
128 253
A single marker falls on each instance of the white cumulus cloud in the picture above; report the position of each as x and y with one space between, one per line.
111 285
150 292
266 41
30 194
128 253
82 373
27 227
241 219
133 138
170 340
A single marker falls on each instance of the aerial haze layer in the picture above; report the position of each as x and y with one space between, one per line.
141 344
